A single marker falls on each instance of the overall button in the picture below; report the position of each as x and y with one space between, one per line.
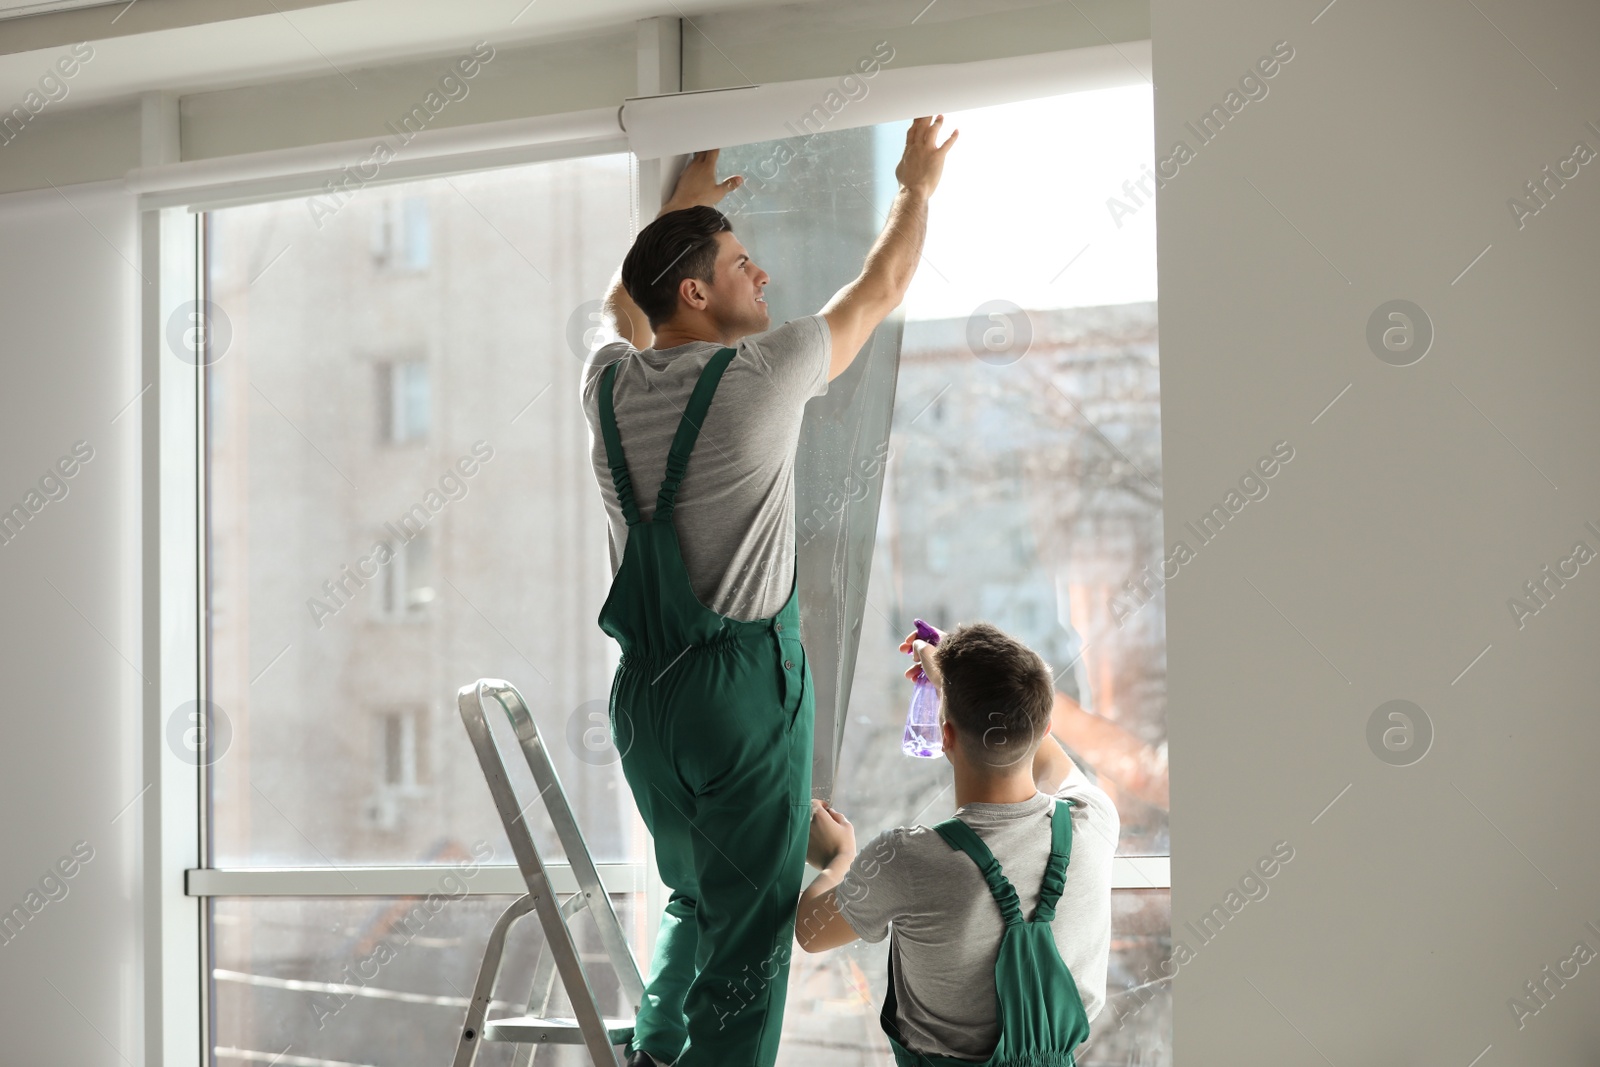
788 664
778 626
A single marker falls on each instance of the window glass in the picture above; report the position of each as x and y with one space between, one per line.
1023 487
379 981
418 247
418 557
1024 479
386 981
405 400
483 534
1019 403
1135 1027
402 238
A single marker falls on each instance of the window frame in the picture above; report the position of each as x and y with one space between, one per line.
180 875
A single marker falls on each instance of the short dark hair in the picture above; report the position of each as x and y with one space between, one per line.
680 244
998 694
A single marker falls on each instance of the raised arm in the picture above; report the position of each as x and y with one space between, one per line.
626 317
857 309
697 185
1052 766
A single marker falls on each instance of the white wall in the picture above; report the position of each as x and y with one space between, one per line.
71 655
1381 562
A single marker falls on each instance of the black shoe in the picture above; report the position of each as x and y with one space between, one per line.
641 1058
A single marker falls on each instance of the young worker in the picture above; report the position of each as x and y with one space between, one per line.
712 702
1002 912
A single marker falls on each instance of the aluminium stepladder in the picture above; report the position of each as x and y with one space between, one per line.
599 1035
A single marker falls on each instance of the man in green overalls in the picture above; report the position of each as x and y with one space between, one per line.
972 978
712 702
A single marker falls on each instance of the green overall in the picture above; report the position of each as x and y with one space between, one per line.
1040 1013
713 717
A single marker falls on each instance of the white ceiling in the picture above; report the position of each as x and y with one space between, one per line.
228 51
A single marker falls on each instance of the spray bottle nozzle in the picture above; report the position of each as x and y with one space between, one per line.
928 634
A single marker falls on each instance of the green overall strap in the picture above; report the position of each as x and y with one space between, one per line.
1055 871
614 456
959 835
689 431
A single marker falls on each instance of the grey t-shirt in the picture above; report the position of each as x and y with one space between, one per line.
947 925
735 507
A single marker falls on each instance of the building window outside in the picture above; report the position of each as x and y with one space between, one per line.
405 401
402 239
399 751
398 777
408 579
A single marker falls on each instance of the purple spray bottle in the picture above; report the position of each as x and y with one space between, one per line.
922 721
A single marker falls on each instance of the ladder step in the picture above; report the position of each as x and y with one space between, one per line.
533 1030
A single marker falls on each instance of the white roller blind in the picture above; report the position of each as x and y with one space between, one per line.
678 123
661 125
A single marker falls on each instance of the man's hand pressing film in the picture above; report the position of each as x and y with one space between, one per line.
832 836
698 186
923 162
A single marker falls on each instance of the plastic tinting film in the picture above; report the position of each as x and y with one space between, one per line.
808 212
676 123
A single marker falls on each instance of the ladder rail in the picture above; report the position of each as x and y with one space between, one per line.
571 838
471 1037
541 897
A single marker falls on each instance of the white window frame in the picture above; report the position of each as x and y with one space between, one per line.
172 198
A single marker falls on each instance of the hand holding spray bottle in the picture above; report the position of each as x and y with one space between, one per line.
922 738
